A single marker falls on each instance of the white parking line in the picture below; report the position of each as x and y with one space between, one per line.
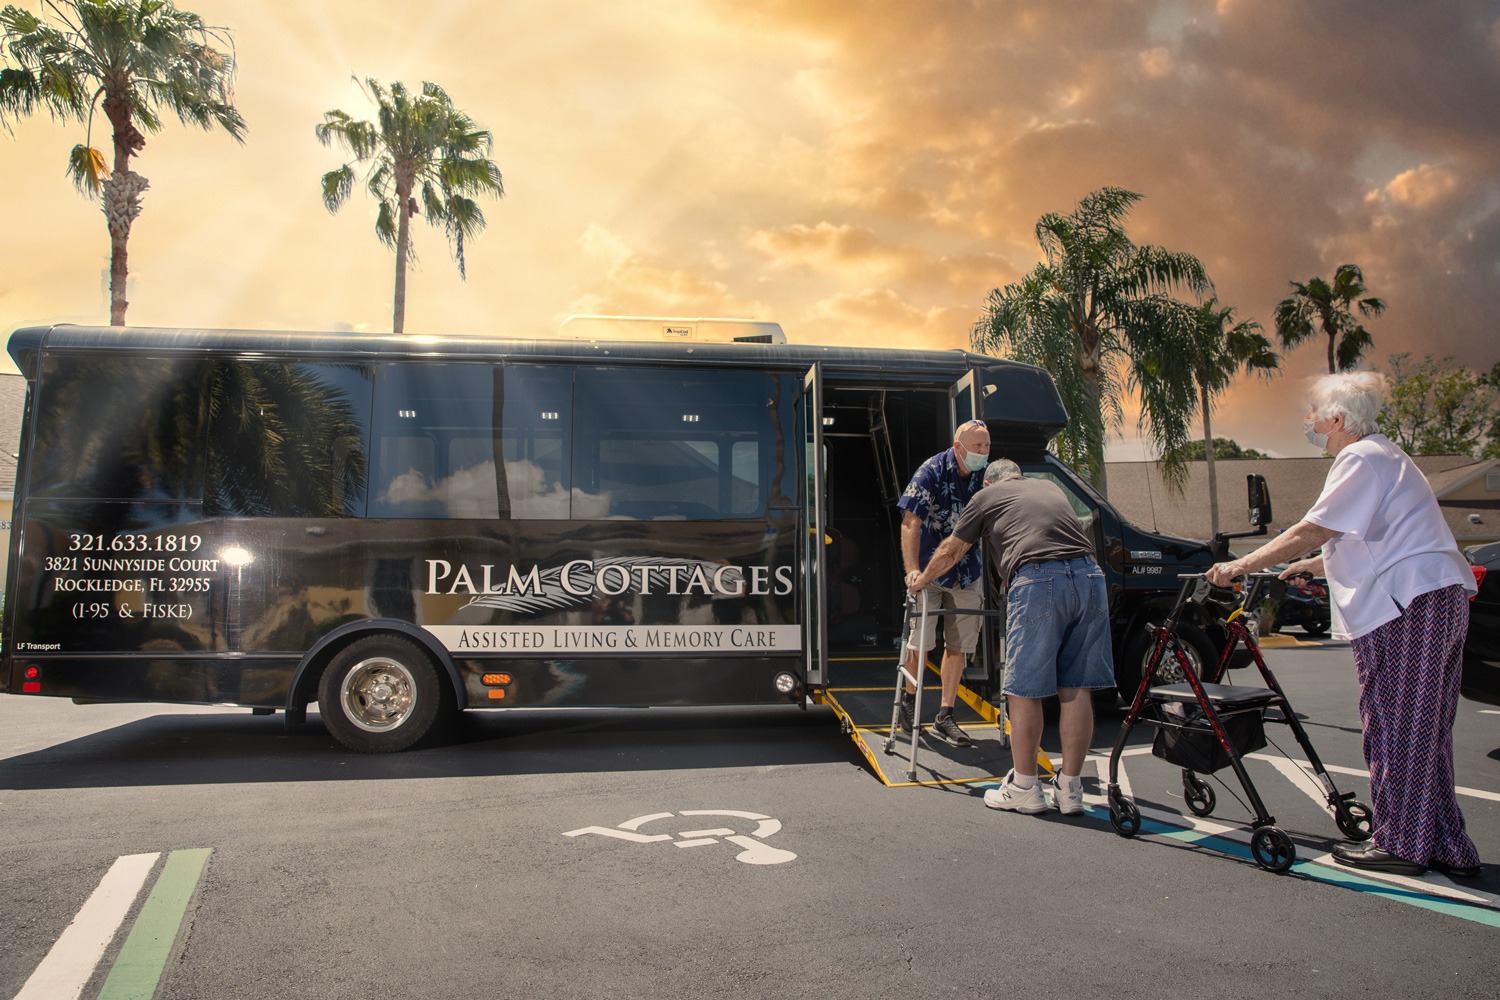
1477 793
1101 768
66 969
1299 773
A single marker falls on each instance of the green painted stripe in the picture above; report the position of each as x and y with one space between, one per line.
138 969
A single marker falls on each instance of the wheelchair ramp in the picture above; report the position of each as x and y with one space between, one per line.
862 698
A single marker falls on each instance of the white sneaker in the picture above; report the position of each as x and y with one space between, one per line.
1013 798
1067 795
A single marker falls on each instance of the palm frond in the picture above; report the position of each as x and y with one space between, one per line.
385 223
87 169
337 184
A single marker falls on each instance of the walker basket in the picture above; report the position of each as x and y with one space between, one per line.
1193 745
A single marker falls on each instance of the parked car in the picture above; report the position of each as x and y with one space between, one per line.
1302 601
1482 645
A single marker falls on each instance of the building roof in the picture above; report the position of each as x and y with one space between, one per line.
1138 492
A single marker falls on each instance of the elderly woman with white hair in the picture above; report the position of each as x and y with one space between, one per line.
1399 591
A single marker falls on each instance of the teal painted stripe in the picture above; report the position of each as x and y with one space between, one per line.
1399 894
1348 879
138 969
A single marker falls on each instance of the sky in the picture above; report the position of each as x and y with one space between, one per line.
863 172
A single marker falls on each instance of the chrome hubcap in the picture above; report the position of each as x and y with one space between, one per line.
378 694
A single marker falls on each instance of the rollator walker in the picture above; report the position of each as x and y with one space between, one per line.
1203 726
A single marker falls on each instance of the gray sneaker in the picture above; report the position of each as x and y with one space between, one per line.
947 730
907 722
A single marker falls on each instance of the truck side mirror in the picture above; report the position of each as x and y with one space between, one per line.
1260 500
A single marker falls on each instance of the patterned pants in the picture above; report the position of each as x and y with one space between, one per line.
1409 673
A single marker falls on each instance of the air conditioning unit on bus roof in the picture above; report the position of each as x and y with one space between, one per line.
703 331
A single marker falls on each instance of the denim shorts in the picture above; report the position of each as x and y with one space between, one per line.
1057 629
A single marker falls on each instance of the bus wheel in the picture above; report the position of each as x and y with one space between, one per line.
1195 643
380 694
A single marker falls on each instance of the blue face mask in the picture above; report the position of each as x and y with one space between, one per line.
975 462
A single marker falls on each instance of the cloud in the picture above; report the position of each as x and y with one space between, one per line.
878 317
827 246
1418 187
639 284
1156 62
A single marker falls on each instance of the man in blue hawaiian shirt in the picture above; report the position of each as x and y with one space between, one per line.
930 508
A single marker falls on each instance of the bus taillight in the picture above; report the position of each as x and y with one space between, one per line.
32 683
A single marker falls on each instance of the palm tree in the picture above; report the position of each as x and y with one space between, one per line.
132 58
1096 313
414 142
1333 307
1219 348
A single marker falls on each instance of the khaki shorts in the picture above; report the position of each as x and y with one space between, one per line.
960 632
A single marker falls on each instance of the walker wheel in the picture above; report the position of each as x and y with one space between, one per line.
1355 819
1124 817
1273 849
1198 794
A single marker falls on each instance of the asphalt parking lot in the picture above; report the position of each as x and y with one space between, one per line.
676 853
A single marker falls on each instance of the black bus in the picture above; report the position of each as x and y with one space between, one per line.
401 528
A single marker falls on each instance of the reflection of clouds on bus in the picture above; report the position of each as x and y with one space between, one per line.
472 492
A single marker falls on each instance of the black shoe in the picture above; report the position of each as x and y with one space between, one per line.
906 712
1371 858
1455 871
947 730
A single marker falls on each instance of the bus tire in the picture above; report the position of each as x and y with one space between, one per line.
380 694
1198 646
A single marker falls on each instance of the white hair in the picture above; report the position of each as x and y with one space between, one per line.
1001 468
1359 396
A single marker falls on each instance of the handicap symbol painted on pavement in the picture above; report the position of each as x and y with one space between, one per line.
754 851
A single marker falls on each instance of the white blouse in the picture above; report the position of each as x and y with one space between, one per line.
1391 543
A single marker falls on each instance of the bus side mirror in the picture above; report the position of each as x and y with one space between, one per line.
1260 500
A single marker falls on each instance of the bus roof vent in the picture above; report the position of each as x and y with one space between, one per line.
657 328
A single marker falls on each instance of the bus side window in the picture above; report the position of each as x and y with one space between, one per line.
286 439
408 467
477 441
672 444
119 428
1086 513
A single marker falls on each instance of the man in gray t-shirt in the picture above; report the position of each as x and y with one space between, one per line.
1056 624
1026 521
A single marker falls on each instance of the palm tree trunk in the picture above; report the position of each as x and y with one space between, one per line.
403 243
1095 442
1208 457
122 201
119 273
403 235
